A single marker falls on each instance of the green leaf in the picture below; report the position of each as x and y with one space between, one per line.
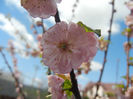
131 58
98 32
67 85
40 55
124 77
110 94
49 96
62 76
123 33
120 86
101 38
131 61
88 29
108 41
128 30
69 94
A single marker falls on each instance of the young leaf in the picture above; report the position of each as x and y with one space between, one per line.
124 77
62 76
67 85
49 96
69 94
131 58
40 55
120 86
110 94
88 29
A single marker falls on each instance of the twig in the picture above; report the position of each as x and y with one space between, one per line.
106 51
74 88
57 18
43 28
74 9
34 26
127 75
13 75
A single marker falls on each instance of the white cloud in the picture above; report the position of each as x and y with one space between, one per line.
15 3
82 81
94 13
95 66
82 78
17 30
39 82
17 44
122 9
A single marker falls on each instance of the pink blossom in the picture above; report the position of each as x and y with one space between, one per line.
58 1
40 8
17 89
39 37
85 66
127 47
129 93
55 83
129 20
39 23
130 34
103 44
35 53
67 46
130 5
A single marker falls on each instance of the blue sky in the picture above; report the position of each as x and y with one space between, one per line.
99 19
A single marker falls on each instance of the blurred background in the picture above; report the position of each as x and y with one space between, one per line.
19 41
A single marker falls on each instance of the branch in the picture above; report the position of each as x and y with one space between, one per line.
43 28
17 84
57 18
127 54
74 88
106 51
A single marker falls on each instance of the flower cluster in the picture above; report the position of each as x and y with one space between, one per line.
55 87
127 46
129 20
85 66
103 44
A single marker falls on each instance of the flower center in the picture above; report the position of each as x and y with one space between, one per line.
64 46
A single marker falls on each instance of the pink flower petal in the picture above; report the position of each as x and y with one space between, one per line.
58 1
55 83
67 46
40 8
130 5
